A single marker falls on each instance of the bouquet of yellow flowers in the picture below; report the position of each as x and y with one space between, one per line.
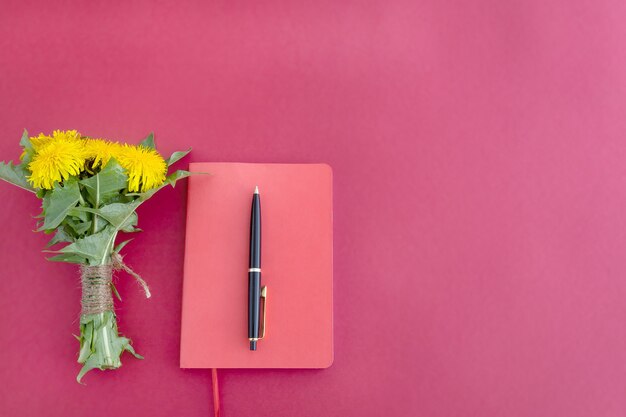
90 191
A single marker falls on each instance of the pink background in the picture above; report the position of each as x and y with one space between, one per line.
479 167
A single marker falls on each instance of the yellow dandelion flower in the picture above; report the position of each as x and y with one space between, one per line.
100 151
42 139
63 135
66 134
56 161
145 167
36 142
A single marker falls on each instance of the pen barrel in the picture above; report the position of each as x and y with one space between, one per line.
254 275
255 232
254 304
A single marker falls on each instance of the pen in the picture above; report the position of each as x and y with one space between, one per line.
254 272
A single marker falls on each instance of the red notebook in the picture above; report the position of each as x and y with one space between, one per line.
297 265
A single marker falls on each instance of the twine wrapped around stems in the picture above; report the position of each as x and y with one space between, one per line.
96 281
96 285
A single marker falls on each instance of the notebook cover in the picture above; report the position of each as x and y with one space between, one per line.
297 236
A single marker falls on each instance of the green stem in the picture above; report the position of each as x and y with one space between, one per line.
97 204
101 345
105 336
104 350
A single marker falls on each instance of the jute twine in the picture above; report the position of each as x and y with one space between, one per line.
96 283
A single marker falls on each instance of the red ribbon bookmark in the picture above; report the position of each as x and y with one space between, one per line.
216 393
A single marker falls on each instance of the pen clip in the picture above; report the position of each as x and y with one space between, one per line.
264 298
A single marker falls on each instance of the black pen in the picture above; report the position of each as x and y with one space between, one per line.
254 272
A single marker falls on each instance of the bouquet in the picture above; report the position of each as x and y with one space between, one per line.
90 191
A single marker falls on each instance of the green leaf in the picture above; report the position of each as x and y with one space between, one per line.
28 148
107 184
175 176
25 141
94 248
79 216
99 226
81 227
60 236
98 246
59 202
67 257
120 215
115 292
148 142
15 174
169 180
129 348
101 345
76 227
86 340
120 246
91 363
119 198
129 227
177 156
41 193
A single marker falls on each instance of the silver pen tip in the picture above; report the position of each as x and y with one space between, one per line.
256 189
